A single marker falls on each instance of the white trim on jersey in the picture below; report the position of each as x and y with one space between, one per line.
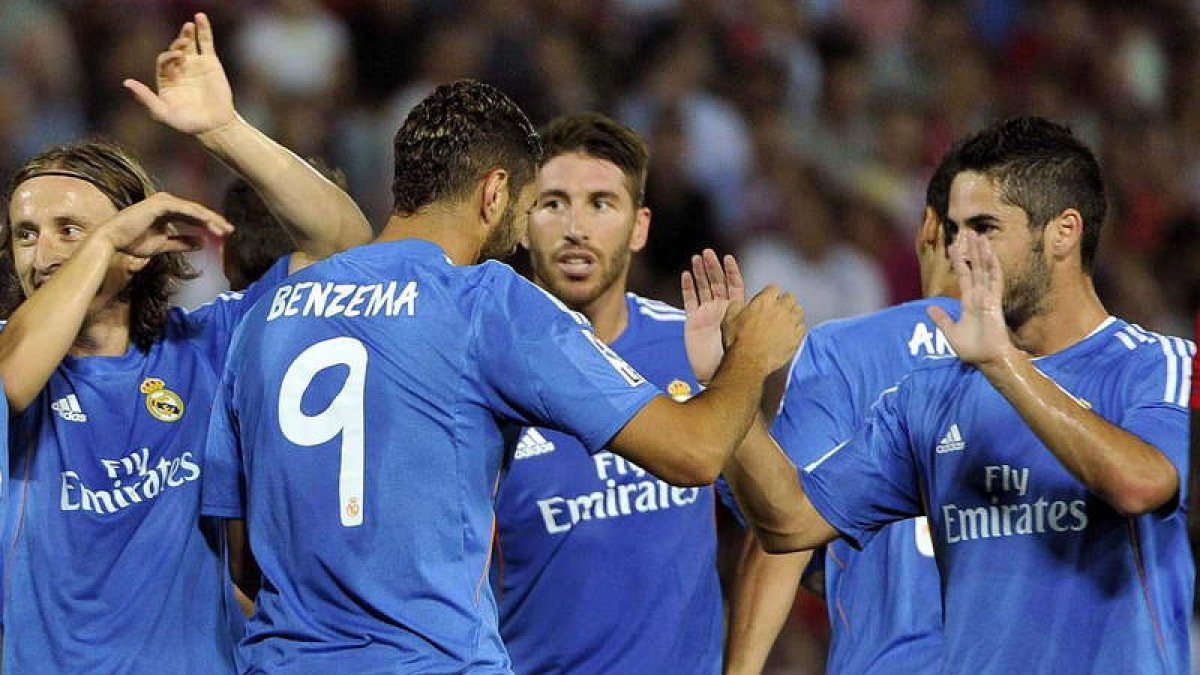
812 466
1177 353
656 309
1186 350
578 317
1171 390
225 296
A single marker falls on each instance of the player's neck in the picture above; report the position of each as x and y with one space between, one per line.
444 227
105 331
608 313
1070 313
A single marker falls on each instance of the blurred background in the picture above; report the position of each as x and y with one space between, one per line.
797 133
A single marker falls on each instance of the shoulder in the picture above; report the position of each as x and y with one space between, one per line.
508 295
655 320
655 310
1162 362
907 323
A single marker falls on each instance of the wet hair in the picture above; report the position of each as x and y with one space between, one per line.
453 138
258 239
1042 168
600 137
115 173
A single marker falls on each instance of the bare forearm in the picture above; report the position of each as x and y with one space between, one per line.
321 217
767 489
44 327
764 591
688 444
1131 475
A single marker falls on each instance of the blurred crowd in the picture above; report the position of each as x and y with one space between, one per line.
797 133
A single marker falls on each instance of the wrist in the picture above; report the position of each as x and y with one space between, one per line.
100 243
223 134
1004 364
748 358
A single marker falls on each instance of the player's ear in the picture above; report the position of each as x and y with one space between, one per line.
493 197
930 233
1064 234
641 229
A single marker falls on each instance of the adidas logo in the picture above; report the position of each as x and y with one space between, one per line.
951 442
532 444
68 408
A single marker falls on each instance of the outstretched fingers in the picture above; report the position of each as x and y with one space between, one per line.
204 34
704 290
146 97
734 280
687 287
716 275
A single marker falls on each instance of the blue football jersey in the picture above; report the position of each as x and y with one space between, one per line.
361 425
884 605
602 567
1039 575
110 568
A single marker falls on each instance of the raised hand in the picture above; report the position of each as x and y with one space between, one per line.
158 225
709 290
193 92
772 325
980 336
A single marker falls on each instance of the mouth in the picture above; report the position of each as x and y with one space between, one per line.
576 264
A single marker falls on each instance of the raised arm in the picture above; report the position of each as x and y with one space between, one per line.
764 586
1133 476
688 443
45 326
193 96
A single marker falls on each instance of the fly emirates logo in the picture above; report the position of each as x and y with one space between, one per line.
628 489
134 480
1020 515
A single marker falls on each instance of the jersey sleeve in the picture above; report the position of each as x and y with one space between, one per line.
214 322
1158 414
870 480
818 410
541 365
222 486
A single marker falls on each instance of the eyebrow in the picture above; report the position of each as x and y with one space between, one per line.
554 192
592 194
974 222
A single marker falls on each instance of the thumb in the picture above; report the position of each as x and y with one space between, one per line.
149 100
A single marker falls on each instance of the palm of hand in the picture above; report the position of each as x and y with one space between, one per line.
197 97
981 334
702 337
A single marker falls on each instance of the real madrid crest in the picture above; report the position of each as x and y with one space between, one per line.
679 390
164 405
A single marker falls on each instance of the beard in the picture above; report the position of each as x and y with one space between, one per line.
1025 293
502 240
579 294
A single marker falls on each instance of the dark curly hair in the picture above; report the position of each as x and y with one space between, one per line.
453 138
113 171
601 137
1042 168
